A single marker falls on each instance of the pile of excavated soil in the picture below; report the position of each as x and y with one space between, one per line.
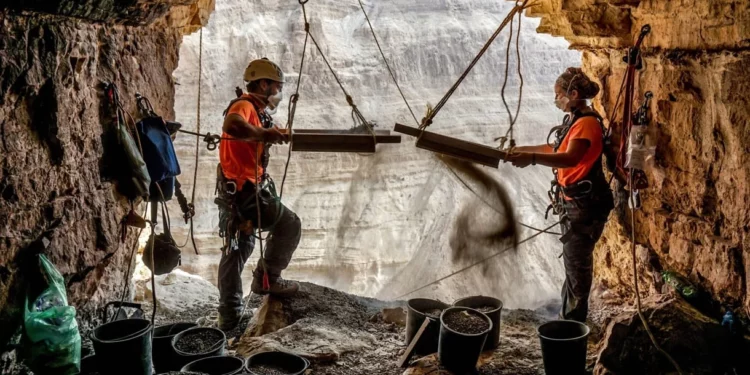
200 341
465 321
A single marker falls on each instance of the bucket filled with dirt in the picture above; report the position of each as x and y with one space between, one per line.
493 308
197 343
164 355
463 332
417 310
276 363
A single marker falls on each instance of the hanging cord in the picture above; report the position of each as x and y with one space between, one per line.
478 262
427 121
359 119
512 118
126 282
455 174
635 283
153 277
190 214
387 65
293 101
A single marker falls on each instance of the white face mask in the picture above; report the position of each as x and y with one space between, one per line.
274 100
562 103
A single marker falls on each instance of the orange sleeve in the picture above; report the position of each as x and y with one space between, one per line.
245 109
586 128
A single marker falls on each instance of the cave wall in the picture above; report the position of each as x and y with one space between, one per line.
695 215
54 57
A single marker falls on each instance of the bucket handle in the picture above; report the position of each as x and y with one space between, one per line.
119 304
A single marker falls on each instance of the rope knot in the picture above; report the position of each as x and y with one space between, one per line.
350 101
307 27
425 122
294 98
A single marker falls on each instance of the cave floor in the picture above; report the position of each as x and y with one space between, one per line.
345 334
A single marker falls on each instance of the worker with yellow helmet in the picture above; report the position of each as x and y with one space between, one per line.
241 173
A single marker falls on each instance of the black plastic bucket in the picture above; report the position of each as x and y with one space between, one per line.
493 339
415 316
183 358
288 363
216 366
163 353
88 365
564 347
459 352
123 347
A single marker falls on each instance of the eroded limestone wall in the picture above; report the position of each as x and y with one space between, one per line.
54 198
695 216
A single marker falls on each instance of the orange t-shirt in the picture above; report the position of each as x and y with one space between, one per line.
584 128
239 159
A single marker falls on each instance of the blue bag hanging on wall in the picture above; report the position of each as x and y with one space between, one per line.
158 150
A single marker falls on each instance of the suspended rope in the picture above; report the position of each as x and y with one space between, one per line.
293 100
406 102
511 117
385 60
190 212
637 289
477 262
427 120
359 119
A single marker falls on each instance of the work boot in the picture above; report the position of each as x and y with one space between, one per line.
228 321
278 286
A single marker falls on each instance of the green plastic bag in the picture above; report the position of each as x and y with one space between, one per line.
50 327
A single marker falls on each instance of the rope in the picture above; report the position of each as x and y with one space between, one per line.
293 102
427 121
191 206
512 118
385 60
477 262
126 284
359 119
637 289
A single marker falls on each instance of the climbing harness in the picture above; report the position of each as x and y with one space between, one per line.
590 185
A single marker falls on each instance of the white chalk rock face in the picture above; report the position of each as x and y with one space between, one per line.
380 225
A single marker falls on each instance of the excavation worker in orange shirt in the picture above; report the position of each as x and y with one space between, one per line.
580 192
243 185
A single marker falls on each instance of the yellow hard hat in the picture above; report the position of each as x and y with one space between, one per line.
263 69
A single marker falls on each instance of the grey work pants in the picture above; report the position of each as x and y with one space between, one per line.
286 230
581 228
